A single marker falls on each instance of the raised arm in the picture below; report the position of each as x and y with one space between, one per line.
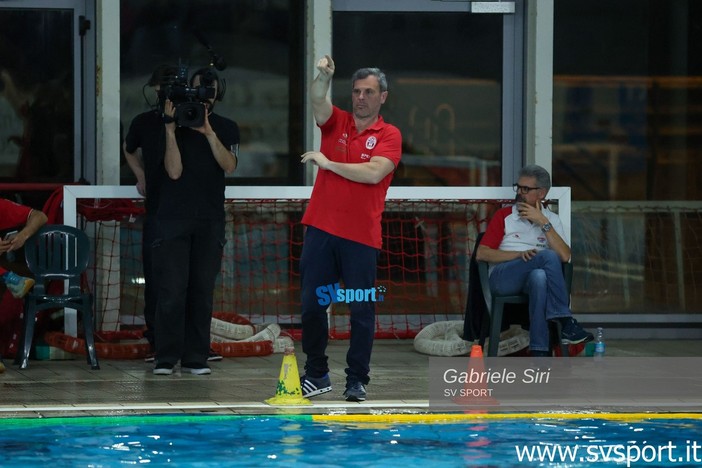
319 91
226 159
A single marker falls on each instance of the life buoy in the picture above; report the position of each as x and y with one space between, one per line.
247 347
446 339
263 333
442 339
109 346
229 331
76 345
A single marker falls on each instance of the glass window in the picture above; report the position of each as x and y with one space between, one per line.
36 95
627 87
444 75
260 45
628 139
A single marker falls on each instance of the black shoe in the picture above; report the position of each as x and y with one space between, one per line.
151 357
537 353
213 356
313 386
163 368
573 333
355 392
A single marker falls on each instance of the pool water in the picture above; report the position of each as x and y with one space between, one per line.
327 440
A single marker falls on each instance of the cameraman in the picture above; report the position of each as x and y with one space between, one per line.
144 148
189 229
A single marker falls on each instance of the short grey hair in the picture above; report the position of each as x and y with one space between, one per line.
543 179
362 73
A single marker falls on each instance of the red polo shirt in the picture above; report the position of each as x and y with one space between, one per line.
344 208
13 214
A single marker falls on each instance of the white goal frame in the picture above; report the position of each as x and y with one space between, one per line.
560 194
72 193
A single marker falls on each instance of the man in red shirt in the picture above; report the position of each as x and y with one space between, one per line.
357 159
525 245
27 221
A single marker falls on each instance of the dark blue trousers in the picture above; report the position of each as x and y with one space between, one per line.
326 259
187 256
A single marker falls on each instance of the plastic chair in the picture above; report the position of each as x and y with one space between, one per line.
57 252
496 303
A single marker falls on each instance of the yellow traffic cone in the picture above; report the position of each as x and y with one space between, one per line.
288 391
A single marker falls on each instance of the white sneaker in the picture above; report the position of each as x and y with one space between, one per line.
195 369
163 369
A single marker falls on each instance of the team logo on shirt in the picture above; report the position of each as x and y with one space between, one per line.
370 142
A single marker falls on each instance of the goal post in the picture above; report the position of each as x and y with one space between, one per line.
561 195
428 235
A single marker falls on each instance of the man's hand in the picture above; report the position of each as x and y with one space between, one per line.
317 158
141 188
531 213
325 65
529 254
15 243
206 128
169 111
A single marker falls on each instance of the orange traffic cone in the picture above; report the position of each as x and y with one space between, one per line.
476 351
288 391
476 393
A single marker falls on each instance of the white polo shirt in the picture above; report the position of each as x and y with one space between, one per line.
507 231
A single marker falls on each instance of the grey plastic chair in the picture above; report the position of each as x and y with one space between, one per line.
495 305
57 252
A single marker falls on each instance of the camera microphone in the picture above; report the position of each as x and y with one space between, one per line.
216 60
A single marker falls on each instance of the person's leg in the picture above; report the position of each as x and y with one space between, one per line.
536 288
358 271
542 279
318 268
150 285
171 256
205 264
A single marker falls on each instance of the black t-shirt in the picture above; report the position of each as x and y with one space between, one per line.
147 131
199 192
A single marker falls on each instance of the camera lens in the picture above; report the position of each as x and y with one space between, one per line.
190 114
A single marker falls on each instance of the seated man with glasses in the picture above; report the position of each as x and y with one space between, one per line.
525 245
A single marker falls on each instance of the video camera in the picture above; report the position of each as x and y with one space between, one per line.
189 101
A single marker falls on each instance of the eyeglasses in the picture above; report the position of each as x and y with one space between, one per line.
523 189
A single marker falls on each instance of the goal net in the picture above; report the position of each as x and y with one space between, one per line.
428 235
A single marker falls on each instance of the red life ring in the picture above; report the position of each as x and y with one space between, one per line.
107 345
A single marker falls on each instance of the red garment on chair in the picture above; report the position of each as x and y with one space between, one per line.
10 324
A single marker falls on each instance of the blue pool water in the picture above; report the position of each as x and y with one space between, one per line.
187 440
